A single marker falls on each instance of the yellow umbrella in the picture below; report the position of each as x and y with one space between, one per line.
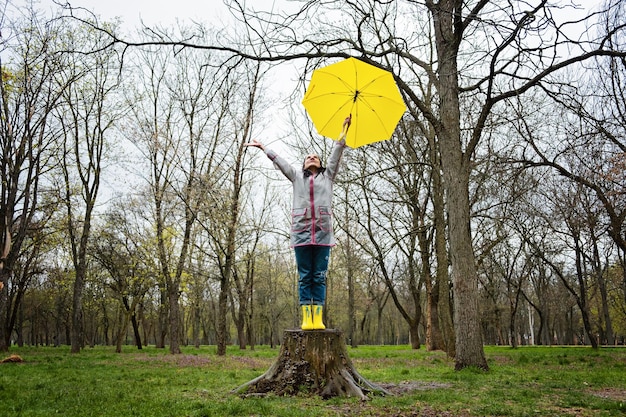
354 88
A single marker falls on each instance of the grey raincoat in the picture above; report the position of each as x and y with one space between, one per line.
311 213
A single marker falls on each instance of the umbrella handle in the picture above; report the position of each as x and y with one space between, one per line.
346 126
347 123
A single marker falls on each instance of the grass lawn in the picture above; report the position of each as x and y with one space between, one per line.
528 381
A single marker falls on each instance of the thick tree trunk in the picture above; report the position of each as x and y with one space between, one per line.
434 337
121 331
414 333
174 296
456 168
314 362
133 320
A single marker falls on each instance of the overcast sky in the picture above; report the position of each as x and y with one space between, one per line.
153 12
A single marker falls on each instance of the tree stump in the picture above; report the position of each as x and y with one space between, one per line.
314 362
12 359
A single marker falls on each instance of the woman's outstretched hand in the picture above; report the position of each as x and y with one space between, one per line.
347 123
256 144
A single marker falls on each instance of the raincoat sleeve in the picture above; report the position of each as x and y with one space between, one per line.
335 158
287 169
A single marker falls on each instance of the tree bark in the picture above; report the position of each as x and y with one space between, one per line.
442 280
5 336
233 221
133 320
80 262
456 168
314 362
161 330
175 333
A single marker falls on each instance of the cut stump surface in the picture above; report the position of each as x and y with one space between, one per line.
12 359
314 362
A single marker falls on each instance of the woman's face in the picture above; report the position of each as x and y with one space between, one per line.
312 162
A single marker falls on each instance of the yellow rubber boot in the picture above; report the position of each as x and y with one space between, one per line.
307 318
318 324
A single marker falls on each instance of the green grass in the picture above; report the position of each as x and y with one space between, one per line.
528 381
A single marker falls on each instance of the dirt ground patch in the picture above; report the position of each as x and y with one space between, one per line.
198 360
615 394
410 386
418 410
180 360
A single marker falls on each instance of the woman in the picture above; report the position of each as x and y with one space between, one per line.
311 229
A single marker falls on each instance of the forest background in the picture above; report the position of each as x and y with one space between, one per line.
131 212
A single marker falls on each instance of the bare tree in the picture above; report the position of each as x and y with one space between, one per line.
440 298
273 293
152 136
28 95
226 227
172 125
120 248
593 153
256 220
530 231
86 117
390 210
350 254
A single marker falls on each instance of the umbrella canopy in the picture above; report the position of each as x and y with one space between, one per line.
354 88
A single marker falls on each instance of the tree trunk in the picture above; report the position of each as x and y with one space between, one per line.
609 338
121 331
442 279
19 326
456 169
77 335
195 325
239 317
4 302
161 330
599 271
350 277
351 307
80 262
414 334
133 320
249 318
434 340
174 296
583 302
222 328
434 337
314 362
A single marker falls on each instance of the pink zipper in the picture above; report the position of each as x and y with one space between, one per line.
312 197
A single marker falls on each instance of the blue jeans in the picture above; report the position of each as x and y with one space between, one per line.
312 263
